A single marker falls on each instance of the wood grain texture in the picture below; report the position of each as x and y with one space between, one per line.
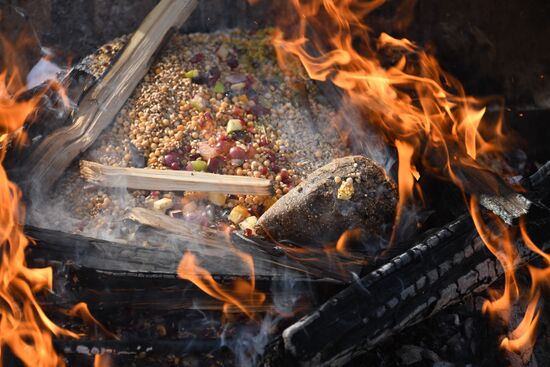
101 104
170 180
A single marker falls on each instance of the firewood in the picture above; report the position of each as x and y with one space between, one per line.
438 271
102 102
170 180
348 193
210 237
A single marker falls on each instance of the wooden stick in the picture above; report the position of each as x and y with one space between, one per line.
170 180
101 104
190 231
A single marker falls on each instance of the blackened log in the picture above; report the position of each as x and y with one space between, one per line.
437 272
163 252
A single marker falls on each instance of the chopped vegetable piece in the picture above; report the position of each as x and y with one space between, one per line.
346 190
238 214
238 86
163 204
199 165
191 74
218 87
217 198
249 223
234 125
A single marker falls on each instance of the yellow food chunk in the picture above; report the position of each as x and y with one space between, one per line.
163 204
216 198
346 190
238 214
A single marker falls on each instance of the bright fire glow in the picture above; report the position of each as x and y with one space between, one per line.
417 108
24 327
244 296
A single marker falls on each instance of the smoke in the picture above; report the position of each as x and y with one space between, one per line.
43 71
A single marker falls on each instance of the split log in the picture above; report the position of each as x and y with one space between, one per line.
437 272
170 180
102 102
317 263
157 254
111 275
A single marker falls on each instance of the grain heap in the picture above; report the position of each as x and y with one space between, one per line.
213 102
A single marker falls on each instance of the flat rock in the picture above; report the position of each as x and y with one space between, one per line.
313 214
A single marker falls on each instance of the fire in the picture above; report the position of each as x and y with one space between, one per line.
244 296
103 360
402 94
81 310
24 327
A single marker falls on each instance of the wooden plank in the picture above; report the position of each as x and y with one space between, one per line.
157 254
170 180
101 104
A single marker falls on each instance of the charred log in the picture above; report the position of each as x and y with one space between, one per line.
438 271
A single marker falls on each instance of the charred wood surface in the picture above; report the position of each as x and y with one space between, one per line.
437 272
160 258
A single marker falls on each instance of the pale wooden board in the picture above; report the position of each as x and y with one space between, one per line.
101 104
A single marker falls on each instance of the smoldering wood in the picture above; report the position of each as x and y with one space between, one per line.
437 272
170 180
103 101
157 254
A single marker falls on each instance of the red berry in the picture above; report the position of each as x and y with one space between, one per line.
197 58
223 146
171 158
237 153
283 174
175 165
215 164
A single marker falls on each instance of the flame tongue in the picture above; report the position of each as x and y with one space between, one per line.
421 111
24 327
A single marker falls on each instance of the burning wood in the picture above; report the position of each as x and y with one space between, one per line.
220 103
405 291
103 101
150 179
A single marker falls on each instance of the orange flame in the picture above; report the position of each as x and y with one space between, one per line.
419 109
412 101
24 327
103 360
244 296
82 311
